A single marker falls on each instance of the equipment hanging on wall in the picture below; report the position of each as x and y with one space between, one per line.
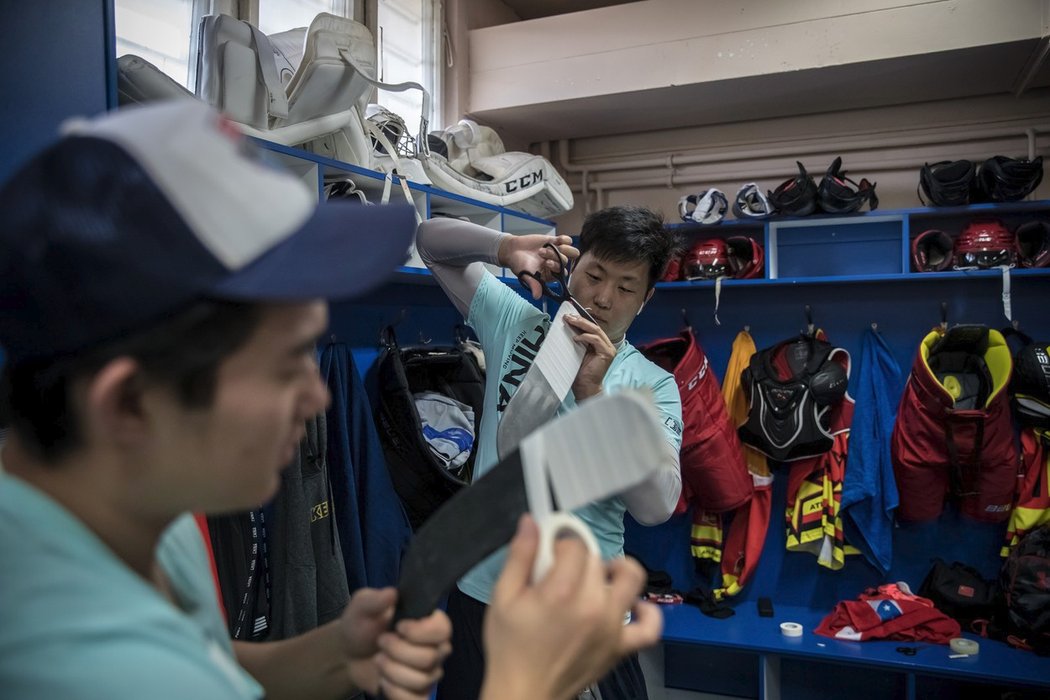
947 183
1033 243
1030 385
1003 179
835 195
932 251
707 259
796 196
953 436
706 207
750 203
746 257
985 243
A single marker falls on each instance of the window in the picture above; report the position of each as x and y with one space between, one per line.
407 43
282 15
158 32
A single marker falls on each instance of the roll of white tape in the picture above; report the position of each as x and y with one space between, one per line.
791 629
964 646
552 527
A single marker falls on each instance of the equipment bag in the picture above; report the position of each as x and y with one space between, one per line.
1025 583
959 591
420 479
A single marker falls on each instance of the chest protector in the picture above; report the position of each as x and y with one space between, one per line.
789 412
714 476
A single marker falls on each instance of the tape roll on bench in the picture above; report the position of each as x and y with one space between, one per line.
959 645
791 629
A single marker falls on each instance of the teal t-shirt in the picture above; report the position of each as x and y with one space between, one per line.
511 330
76 623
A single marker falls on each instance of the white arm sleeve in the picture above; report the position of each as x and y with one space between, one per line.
453 250
653 501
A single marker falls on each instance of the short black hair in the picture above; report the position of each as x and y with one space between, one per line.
183 352
627 234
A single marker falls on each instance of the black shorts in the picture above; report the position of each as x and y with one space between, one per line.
464 669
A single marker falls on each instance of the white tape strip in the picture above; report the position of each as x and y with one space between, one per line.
967 647
791 629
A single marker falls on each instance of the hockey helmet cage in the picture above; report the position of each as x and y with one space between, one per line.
707 259
931 251
1003 179
947 183
835 195
746 257
1033 243
797 196
706 207
386 126
750 203
673 271
1031 385
985 243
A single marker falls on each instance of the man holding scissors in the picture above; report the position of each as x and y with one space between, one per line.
623 252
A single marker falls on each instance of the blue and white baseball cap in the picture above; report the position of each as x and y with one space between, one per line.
133 215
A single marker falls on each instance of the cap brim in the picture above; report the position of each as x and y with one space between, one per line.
343 250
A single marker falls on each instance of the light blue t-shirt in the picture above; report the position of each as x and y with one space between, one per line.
76 623
511 330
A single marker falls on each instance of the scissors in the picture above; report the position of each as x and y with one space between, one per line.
562 278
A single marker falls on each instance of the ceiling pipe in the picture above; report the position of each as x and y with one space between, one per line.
794 151
674 163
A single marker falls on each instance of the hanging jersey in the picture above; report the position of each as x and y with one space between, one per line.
749 523
953 435
813 519
1033 499
789 411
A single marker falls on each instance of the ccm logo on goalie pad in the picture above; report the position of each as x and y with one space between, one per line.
525 181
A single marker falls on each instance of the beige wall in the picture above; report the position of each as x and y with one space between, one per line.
886 145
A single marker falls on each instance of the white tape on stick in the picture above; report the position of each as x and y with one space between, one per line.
791 629
967 647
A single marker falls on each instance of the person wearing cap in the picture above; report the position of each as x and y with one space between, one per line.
623 252
160 299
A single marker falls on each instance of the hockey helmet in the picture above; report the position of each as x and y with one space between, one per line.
797 196
1031 385
1003 179
385 125
1033 243
707 259
673 271
835 195
947 183
706 207
746 257
931 251
985 243
750 203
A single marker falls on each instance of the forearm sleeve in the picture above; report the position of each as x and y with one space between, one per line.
653 501
453 250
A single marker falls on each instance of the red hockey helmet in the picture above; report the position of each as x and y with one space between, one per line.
706 260
673 273
1033 243
985 243
746 257
931 251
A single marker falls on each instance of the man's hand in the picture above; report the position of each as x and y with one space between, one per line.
404 664
530 254
596 360
551 639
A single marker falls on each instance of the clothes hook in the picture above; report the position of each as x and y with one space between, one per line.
875 326
747 328
809 320
944 315
685 320
422 340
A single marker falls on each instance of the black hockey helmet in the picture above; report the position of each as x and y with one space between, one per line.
1033 243
1003 179
835 195
797 196
931 251
947 183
